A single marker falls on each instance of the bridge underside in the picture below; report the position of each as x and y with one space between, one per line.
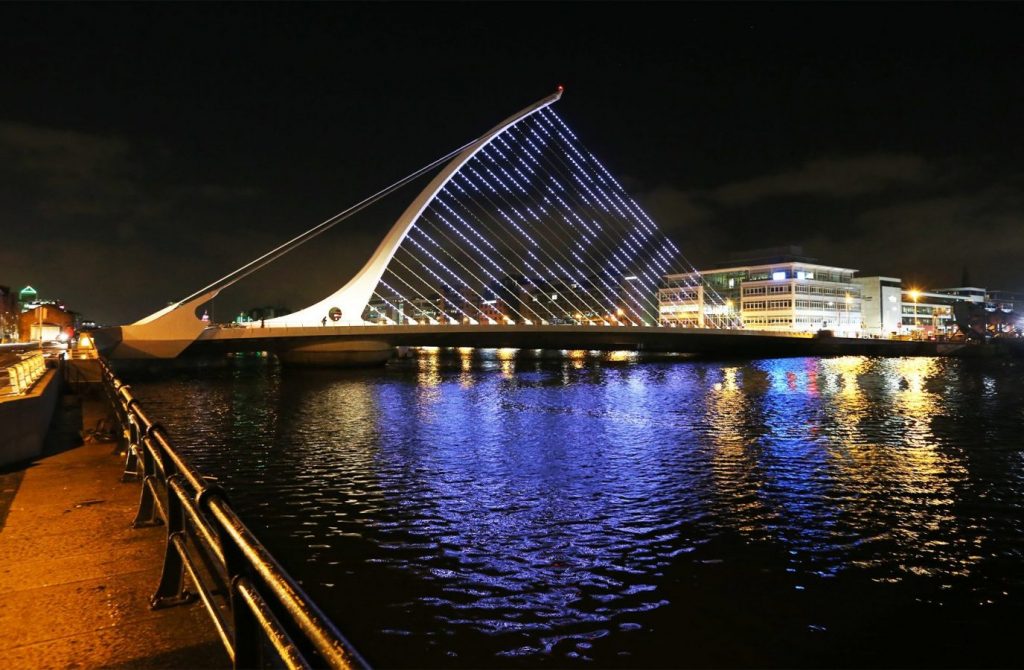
648 339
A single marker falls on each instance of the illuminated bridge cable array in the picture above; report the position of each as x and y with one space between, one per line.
532 229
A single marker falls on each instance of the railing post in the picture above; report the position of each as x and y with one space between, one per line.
244 626
171 589
131 459
147 515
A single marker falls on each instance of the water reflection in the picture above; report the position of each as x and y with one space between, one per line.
504 507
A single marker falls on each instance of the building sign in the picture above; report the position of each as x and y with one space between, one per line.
335 314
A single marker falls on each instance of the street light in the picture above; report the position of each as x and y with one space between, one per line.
914 295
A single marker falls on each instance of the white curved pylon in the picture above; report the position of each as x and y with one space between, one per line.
352 298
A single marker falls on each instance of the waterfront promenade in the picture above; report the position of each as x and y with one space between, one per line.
75 577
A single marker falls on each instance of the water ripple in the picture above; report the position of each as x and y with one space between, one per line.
486 509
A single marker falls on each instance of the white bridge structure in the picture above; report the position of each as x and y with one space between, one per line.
522 239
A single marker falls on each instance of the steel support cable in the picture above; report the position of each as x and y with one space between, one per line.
424 282
626 265
633 238
536 228
483 224
611 198
476 278
397 296
511 240
442 266
611 222
468 255
611 263
614 192
612 257
642 234
539 277
551 228
475 232
412 304
455 245
639 211
645 221
277 252
468 226
427 284
388 303
587 235
565 274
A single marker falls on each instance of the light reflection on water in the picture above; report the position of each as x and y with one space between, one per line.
504 507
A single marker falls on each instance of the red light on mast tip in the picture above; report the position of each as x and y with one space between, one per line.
561 88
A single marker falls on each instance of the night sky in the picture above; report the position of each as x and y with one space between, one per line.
148 149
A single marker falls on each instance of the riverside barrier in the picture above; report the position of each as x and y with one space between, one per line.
262 616
28 395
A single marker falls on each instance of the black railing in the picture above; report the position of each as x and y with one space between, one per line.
261 614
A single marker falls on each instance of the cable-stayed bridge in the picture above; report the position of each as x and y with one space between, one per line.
522 239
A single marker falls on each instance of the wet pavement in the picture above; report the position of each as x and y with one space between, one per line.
75 577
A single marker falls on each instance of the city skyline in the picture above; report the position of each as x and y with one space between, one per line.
192 139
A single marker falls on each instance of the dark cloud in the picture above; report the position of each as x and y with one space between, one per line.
829 178
890 214
147 149
930 240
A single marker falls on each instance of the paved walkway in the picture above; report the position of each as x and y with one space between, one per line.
75 578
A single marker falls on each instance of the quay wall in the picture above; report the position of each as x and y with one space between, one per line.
25 419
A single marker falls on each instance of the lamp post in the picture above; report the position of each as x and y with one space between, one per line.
848 301
914 295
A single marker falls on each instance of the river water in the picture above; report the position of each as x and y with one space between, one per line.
503 509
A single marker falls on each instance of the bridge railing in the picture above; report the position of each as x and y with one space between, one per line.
260 613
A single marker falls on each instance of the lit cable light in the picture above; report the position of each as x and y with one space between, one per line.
535 213
563 273
547 233
642 219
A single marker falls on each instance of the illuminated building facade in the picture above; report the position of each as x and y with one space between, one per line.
930 313
771 290
881 305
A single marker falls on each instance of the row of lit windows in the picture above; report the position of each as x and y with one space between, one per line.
768 321
677 296
763 290
818 304
770 304
926 310
825 290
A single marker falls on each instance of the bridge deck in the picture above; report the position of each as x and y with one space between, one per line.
740 343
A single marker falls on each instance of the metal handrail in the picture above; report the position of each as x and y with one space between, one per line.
256 607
